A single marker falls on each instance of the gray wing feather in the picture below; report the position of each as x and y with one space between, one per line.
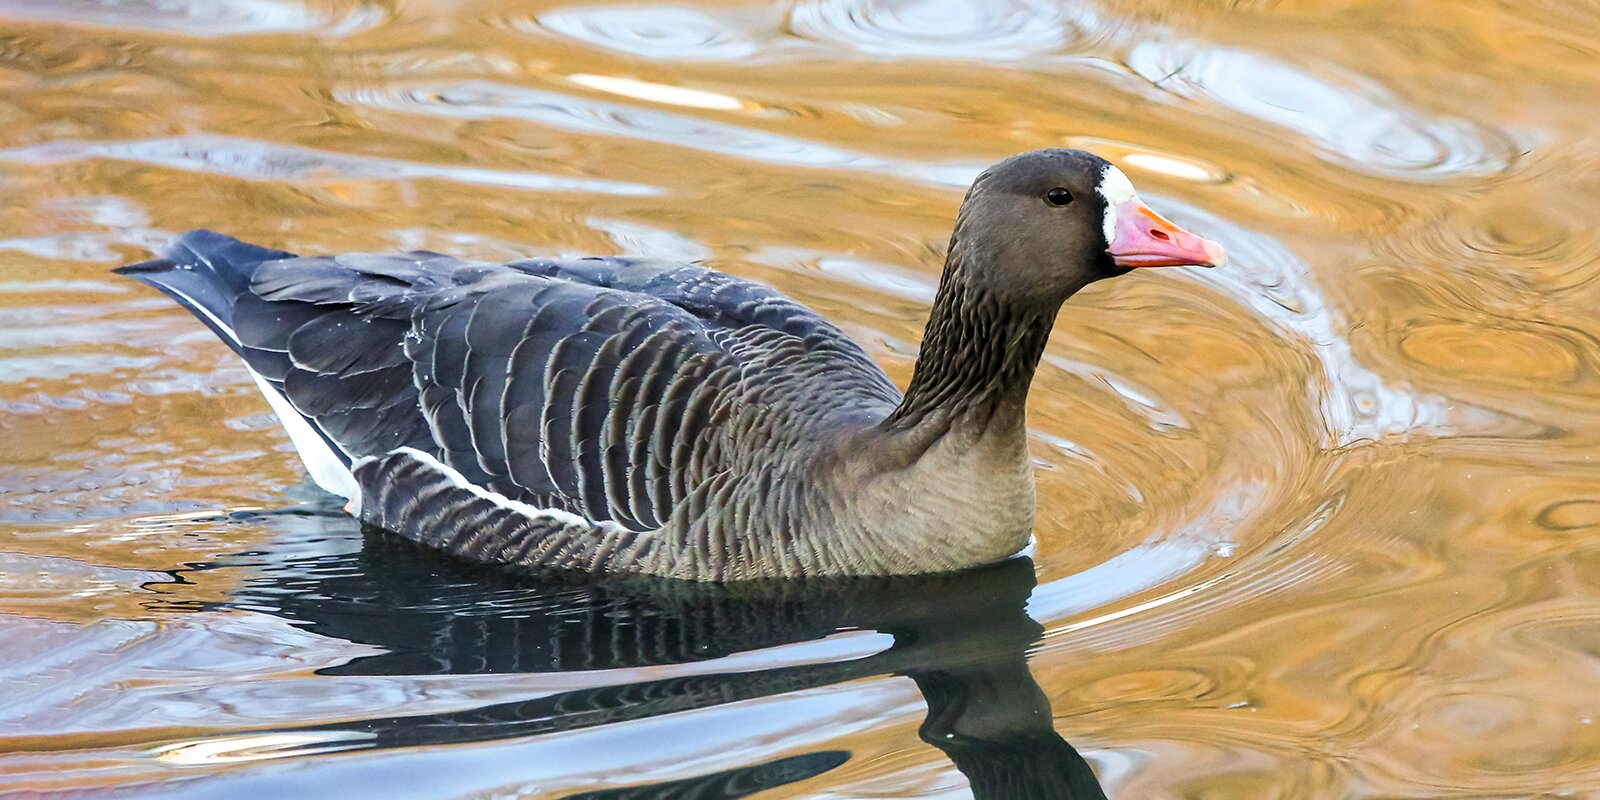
345 371
607 387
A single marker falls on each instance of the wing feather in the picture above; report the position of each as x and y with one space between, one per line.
614 388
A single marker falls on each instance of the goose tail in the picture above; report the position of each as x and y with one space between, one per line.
205 272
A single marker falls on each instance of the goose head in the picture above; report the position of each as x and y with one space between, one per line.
1039 226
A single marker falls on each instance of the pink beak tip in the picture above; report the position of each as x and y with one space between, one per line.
1143 238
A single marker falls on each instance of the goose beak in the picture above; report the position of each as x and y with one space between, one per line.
1143 238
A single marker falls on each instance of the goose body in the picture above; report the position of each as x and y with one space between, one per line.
624 415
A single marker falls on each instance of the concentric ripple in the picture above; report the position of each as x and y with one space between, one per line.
1356 403
990 30
668 34
1349 118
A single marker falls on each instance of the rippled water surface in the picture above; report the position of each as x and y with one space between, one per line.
1323 524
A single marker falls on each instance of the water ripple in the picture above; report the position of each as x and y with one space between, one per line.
971 30
1353 119
203 18
634 239
89 229
1238 601
989 30
1356 404
888 278
44 579
487 100
670 34
1160 558
254 160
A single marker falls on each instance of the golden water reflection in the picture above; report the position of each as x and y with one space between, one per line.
1322 524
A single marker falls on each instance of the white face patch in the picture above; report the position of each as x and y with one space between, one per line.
1116 189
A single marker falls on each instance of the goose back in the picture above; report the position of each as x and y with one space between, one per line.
604 414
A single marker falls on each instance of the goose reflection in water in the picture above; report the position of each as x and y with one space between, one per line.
961 637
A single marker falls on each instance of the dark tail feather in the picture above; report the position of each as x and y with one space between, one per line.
205 272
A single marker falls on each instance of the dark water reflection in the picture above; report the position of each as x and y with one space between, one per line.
963 639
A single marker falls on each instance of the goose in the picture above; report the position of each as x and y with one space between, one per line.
633 415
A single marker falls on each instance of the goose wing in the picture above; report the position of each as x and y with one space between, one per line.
610 388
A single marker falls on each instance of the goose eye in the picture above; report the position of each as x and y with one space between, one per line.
1058 196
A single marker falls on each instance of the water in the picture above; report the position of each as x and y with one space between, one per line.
1322 524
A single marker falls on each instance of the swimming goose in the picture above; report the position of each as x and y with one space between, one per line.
632 415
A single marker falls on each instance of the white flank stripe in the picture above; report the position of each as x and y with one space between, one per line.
325 468
532 512
226 329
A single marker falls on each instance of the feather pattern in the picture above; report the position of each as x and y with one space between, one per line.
592 414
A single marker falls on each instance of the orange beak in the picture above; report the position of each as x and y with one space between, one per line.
1144 238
